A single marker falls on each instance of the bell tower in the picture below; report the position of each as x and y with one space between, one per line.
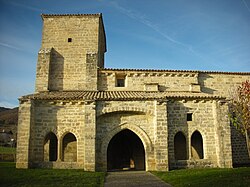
72 49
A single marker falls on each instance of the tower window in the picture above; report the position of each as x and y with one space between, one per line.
69 39
189 117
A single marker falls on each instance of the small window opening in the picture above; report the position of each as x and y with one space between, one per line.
120 80
69 39
120 83
189 117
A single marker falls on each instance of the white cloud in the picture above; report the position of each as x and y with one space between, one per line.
245 4
7 104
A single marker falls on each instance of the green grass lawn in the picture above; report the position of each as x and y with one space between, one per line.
7 150
207 177
10 176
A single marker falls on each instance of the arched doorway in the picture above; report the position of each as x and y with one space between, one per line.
180 146
126 152
69 148
197 145
50 147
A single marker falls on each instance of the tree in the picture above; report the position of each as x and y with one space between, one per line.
239 110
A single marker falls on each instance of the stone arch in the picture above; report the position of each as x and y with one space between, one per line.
147 144
124 109
69 147
125 150
50 147
180 146
197 145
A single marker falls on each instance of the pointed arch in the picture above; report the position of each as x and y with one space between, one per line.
180 146
69 148
147 144
50 147
197 145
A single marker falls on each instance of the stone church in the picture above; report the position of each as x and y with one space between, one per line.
83 115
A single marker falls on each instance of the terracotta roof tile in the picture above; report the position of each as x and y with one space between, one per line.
115 95
182 71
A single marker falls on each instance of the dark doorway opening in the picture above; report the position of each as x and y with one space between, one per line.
180 147
126 152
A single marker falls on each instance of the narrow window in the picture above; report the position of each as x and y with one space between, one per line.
69 39
189 117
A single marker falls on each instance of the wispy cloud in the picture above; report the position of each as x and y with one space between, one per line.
142 19
10 46
25 6
245 4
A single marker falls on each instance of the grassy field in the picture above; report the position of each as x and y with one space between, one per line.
10 176
207 177
7 150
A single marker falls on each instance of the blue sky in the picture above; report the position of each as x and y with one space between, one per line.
150 34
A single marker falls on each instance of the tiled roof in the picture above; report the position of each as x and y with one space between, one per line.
182 71
115 95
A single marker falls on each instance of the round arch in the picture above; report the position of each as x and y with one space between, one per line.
69 147
107 110
50 147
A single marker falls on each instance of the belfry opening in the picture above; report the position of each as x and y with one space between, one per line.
125 152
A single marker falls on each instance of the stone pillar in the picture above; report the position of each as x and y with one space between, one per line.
43 69
223 139
91 72
90 135
161 136
25 120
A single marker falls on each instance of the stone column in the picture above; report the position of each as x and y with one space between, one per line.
25 120
161 136
43 69
223 139
90 135
91 71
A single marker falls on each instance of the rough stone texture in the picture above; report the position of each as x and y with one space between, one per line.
79 107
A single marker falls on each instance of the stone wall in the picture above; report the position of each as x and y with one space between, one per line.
136 80
204 121
61 119
221 83
115 116
206 82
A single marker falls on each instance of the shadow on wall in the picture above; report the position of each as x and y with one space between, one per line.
56 72
239 148
65 145
183 147
201 80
